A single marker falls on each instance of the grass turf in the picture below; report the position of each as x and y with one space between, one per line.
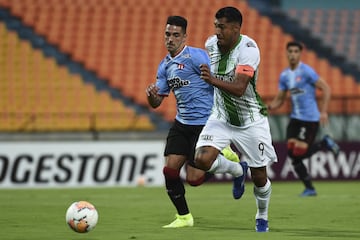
139 213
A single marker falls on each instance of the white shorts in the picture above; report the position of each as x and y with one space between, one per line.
253 141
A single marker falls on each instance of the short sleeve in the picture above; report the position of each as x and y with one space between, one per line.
249 55
161 80
313 76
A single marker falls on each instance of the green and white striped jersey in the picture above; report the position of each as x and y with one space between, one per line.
237 111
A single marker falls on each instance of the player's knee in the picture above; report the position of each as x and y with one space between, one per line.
203 158
173 182
299 151
170 173
290 145
196 182
259 176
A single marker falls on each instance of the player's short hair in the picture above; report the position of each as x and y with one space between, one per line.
294 44
177 21
231 14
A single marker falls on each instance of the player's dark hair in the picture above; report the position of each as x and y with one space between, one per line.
294 44
177 21
230 13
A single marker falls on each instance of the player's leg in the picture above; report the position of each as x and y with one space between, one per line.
176 154
176 191
330 144
214 137
298 152
194 176
255 143
301 136
262 194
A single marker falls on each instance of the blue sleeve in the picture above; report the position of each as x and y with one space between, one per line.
313 76
161 80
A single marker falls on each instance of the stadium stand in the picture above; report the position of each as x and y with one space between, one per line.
122 42
338 28
36 94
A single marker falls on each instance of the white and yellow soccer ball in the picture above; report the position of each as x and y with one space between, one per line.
82 216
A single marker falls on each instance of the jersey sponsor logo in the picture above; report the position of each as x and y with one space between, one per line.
225 78
177 82
206 137
250 44
296 91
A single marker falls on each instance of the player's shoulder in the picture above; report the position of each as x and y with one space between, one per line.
211 41
283 73
195 50
305 66
248 42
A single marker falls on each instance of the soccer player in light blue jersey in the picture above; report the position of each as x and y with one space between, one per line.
179 72
302 81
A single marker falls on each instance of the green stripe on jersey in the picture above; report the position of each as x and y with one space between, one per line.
230 106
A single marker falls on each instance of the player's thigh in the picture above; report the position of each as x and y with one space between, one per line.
215 134
255 144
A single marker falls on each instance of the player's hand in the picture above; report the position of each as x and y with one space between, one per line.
151 90
324 119
205 73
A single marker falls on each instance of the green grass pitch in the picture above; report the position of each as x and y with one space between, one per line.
139 213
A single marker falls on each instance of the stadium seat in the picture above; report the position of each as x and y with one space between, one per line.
122 41
36 94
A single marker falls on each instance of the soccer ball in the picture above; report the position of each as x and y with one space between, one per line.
82 216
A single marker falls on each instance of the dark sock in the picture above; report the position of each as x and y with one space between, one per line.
302 173
175 190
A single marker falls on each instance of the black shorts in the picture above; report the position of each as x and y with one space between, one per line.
303 131
181 140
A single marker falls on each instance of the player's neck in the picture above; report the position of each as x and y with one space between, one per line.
178 51
294 66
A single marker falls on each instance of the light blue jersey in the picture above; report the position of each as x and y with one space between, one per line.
181 75
301 85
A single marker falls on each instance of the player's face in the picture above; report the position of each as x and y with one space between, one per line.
174 39
227 33
293 54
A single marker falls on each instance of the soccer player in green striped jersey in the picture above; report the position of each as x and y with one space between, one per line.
238 115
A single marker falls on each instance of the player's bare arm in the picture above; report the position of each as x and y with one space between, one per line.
236 87
326 94
153 97
278 100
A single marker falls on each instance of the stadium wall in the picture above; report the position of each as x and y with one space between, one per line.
125 163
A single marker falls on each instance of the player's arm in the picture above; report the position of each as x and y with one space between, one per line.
326 94
278 100
237 87
154 99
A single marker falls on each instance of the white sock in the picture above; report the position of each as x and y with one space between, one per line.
223 165
262 197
